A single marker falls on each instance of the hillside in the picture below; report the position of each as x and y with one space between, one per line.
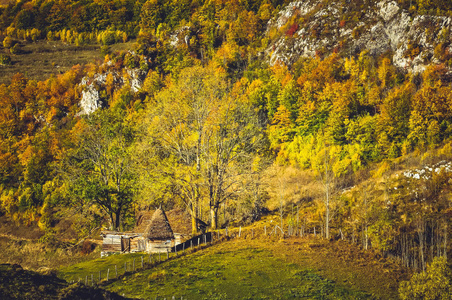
413 39
17 283
332 118
258 268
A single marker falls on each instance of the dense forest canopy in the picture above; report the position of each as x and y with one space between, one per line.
212 125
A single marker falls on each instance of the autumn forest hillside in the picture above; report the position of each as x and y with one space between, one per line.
333 115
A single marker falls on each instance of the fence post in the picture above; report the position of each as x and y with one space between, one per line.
314 232
252 233
125 267
198 242
240 231
265 230
86 280
116 271
99 276
226 231
92 279
108 273
167 254
191 244
142 263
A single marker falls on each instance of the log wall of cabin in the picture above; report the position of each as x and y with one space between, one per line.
156 246
111 243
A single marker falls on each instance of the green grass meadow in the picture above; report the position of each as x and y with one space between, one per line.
219 272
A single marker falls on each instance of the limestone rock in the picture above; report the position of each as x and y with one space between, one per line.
382 26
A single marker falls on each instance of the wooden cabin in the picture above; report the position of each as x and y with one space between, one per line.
159 236
152 234
114 241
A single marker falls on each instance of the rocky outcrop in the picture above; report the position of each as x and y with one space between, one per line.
340 27
92 86
136 78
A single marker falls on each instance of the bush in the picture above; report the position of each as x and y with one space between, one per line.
131 61
5 59
15 49
87 247
105 50
8 42
108 38
431 285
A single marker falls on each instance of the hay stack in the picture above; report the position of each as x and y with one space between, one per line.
159 227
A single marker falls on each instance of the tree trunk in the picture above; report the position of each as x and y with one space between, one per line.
194 225
327 212
117 220
194 219
214 217
112 221
421 233
327 195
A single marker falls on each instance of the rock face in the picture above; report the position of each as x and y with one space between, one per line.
90 101
92 86
341 26
136 79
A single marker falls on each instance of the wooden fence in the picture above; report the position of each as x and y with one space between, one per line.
147 261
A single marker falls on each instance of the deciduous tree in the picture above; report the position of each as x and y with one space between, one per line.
99 169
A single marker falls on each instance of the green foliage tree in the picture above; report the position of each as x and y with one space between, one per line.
152 15
99 169
434 284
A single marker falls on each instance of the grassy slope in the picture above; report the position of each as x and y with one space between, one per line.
35 255
41 59
255 269
23 244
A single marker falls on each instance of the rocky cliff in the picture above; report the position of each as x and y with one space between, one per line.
312 27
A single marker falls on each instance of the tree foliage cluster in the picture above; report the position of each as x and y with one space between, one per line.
80 16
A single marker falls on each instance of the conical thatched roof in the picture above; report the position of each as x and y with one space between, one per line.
143 220
159 227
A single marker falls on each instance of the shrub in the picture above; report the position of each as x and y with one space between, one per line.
105 50
131 62
15 49
5 59
108 38
87 247
292 29
7 42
